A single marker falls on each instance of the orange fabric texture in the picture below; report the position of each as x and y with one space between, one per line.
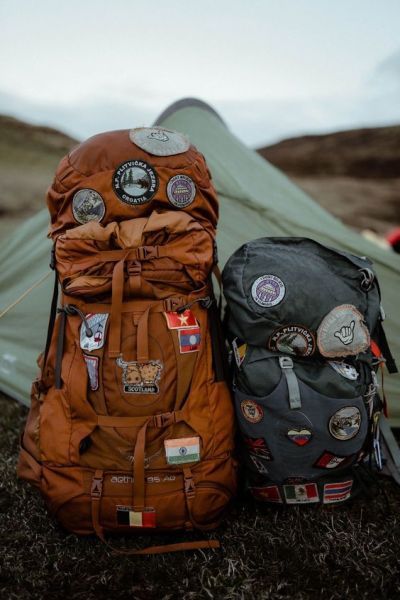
131 378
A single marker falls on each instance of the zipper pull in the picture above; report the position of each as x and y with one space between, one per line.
71 309
286 364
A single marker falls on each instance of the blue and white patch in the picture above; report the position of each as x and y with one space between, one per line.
344 369
345 423
181 191
97 324
159 141
88 205
268 290
135 182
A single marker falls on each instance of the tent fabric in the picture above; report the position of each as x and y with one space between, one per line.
256 200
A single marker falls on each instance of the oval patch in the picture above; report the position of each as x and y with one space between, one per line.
181 191
135 182
88 205
342 332
159 141
292 339
345 423
268 290
251 411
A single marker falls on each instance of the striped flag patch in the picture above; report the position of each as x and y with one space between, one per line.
182 450
189 340
126 515
303 493
267 493
337 492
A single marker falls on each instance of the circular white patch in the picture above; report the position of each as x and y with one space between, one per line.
268 290
345 423
135 182
181 191
251 411
88 205
347 371
159 141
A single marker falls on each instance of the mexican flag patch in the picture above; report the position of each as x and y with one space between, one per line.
302 493
182 450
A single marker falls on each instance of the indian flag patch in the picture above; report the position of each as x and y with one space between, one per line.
303 493
182 450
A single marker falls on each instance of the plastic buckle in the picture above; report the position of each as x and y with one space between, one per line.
97 487
147 252
172 304
134 268
285 362
190 489
163 420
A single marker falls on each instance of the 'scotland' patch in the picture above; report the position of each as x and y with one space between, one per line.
292 339
268 290
92 365
97 323
189 340
267 493
159 141
337 492
301 494
140 378
184 320
129 517
181 191
182 450
88 205
135 182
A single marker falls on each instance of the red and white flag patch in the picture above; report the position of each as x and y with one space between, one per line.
337 492
301 494
267 493
182 320
327 460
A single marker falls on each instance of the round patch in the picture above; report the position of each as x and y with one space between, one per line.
268 290
135 182
88 205
159 141
345 423
345 370
292 339
251 411
183 451
181 191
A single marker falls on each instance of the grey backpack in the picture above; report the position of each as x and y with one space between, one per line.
300 319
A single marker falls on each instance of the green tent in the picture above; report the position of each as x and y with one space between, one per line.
256 200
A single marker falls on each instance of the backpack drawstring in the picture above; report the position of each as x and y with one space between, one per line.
68 309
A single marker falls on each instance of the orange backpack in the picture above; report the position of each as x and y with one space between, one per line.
131 421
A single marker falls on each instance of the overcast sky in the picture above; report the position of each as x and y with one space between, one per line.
272 68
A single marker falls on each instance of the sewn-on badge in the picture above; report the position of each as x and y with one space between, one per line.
140 378
129 517
181 191
345 423
328 460
189 340
135 182
251 411
92 365
88 205
292 339
268 290
344 369
301 494
97 323
267 493
259 465
182 320
239 351
337 492
342 332
258 447
182 450
300 437
159 141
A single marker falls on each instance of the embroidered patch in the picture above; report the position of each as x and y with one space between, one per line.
159 141
182 320
344 369
88 205
126 515
140 378
300 437
268 493
345 423
135 182
251 411
327 460
239 351
92 365
181 191
337 492
268 290
182 450
301 494
189 340
259 465
97 323
258 447
292 339
343 332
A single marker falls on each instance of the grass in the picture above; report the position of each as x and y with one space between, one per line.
347 551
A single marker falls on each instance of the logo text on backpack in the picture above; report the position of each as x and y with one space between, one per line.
140 378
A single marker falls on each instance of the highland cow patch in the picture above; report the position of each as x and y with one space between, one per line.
88 205
159 141
135 182
292 339
140 378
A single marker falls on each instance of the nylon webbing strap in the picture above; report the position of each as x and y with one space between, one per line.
384 346
286 365
390 441
52 319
